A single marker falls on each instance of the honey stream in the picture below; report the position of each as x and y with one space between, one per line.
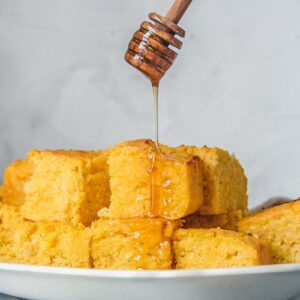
156 163
156 114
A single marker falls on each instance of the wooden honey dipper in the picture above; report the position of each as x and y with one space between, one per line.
149 51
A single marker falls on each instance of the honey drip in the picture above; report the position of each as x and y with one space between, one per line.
156 115
156 165
155 170
156 182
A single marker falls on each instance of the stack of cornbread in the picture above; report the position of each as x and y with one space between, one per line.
136 207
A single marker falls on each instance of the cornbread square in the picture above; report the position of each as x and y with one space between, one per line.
14 241
42 243
14 179
225 184
52 244
225 221
218 248
132 243
66 186
147 183
280 226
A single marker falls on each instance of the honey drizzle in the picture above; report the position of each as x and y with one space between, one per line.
155 184
156 115
155 169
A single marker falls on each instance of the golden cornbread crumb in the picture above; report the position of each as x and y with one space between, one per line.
14 179
132 244
145 183
42 243
66 186
7 218
218 248
53 244
225 184
280 226
7 253
9 215
225 221
10 218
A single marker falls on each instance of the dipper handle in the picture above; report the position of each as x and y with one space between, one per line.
177 10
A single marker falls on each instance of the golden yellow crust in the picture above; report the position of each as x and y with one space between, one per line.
280 226
146 183
15 177
66 186
218 248
132 243
225 184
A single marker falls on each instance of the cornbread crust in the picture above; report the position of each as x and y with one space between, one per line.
218 248
14 179
132 166
225 184
225 221
280 226
66 186
132 243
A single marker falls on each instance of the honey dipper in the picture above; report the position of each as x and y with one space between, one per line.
149 49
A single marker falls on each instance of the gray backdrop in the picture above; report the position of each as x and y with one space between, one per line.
64 84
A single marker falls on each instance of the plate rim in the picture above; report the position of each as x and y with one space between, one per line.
149 274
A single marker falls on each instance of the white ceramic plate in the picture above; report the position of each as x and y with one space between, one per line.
275 282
